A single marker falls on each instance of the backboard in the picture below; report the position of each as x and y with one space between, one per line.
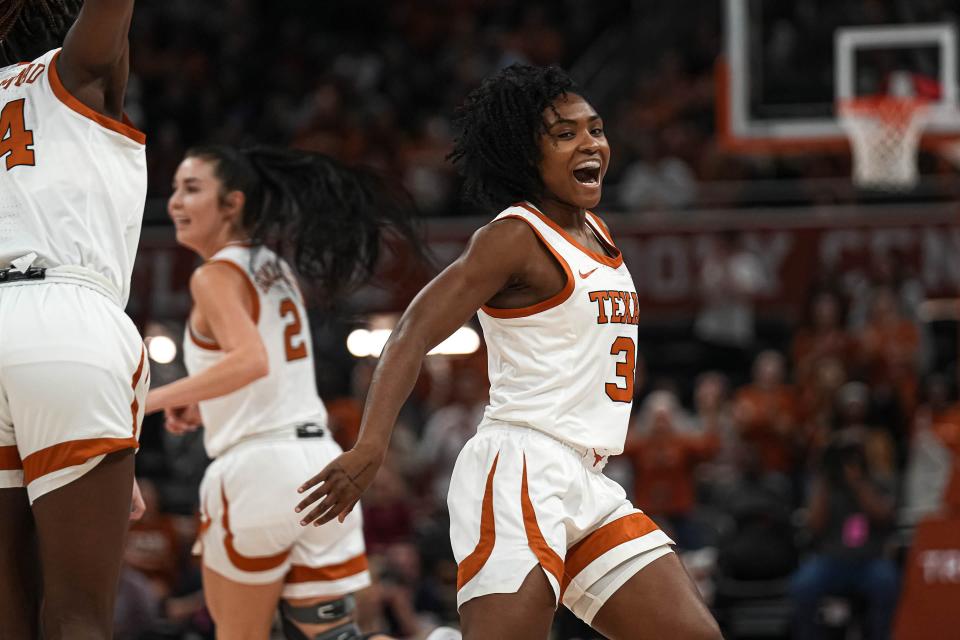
787 64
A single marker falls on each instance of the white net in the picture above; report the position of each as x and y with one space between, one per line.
884 135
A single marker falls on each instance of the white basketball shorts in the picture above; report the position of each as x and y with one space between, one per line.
250 533
519 498
73 379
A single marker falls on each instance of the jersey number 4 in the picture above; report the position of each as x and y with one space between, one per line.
16 141
626 369
293 343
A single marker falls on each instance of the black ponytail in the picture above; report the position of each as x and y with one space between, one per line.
330 222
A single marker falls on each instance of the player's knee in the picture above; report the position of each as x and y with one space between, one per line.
328 620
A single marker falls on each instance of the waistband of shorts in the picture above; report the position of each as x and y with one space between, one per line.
584 454
76 275
295 431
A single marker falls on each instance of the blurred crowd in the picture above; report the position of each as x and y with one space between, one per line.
377 82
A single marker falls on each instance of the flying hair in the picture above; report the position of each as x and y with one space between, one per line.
328 221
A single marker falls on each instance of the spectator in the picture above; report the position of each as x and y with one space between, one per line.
889 348
449 428
730 277
664 461
153 548
930 460
822 336
765 414
850 513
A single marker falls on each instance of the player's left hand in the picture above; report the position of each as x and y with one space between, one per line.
340 484
137 506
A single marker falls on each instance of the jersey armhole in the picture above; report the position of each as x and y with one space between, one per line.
251 287
124 127
549 303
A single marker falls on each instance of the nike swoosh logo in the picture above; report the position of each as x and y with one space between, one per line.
588 273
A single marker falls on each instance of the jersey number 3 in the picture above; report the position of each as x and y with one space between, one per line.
16 141
625 369
293 343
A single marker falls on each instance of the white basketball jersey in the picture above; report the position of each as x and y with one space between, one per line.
287 395
566 366
72 181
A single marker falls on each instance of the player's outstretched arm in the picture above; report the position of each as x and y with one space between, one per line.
496 253
94 62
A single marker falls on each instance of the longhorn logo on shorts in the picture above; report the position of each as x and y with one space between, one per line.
597 458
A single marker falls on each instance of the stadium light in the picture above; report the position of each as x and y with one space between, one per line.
363 343
162 349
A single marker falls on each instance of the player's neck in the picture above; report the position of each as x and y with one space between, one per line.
566 215
220 243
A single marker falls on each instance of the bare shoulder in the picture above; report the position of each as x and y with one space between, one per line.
504 237
213 278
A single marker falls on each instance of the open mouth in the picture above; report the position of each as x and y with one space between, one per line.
180 222
588 173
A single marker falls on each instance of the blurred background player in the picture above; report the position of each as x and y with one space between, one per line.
73 376
558 309
249 354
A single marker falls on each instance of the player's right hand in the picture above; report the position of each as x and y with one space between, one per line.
180 420
340 484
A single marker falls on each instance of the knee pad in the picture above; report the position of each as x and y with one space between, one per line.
322 613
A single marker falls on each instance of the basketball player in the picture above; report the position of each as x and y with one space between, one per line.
72 371
250 358
533 519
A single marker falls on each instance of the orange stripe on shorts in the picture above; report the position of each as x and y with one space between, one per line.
240 561
610 535
351 567
69 454
472 564
549 559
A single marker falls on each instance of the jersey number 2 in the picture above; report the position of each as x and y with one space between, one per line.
625 369
293 343
16 141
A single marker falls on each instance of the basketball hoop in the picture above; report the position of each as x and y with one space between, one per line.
884 133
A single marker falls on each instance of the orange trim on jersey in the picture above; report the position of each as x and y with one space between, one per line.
69 454
134 381
549 559
201 341
613 534
550 302
10 459
125 127
614 261
602 229
237 559
472 564
251 287
330 572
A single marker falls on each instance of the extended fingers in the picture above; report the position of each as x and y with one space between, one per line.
315 480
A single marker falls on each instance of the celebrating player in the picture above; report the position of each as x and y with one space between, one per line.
533 519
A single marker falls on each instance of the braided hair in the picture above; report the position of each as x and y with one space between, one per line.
497 129
30 28
327 220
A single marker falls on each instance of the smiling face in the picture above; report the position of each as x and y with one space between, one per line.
204 217
574 153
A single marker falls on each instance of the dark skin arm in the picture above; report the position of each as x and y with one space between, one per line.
94 63
502 258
